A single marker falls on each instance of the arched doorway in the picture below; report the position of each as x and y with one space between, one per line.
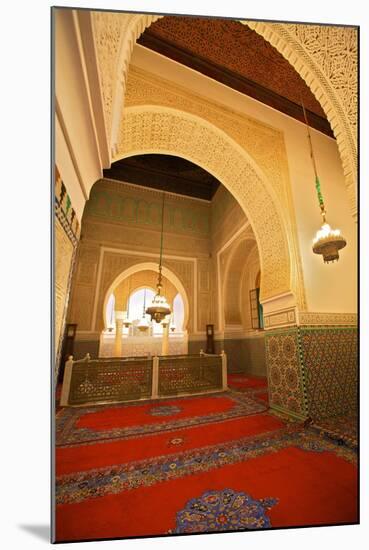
129 295
179 133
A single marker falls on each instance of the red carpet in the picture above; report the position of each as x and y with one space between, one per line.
217 472
139 415
108 422
85 457
312 489
244 381
254 386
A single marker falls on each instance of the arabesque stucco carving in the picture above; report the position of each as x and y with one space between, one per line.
263 144
324 56
147 129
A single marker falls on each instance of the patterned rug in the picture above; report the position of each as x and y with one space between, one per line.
289 477
80 486
94 455
213 463
103 423
225 510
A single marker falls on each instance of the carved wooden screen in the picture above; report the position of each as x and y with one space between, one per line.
110 381
189 374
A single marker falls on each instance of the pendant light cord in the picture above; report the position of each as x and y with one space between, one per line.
159 285
317 181
162 230
129 296
144 308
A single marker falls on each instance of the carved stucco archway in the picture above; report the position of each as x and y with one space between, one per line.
324 56
148 266
236 264
155 129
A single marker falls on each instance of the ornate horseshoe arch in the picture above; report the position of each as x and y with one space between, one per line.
152 266
156 129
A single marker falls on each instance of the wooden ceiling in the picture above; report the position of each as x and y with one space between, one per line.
165 172
233 54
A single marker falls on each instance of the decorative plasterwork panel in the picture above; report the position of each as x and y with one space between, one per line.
280 319
128 204
115 35
327 58
340 319
236 260
324 56
260 143
289 317
159 129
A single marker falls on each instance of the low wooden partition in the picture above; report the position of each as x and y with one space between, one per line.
117 380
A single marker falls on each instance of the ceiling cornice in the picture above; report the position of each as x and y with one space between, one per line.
233 80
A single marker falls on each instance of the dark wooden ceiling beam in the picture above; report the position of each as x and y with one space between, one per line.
147 176
234 80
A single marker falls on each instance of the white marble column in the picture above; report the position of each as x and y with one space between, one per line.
165 341
119 318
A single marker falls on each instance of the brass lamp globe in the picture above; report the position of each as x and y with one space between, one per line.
327 241
127 322
159 308
172 325
144 324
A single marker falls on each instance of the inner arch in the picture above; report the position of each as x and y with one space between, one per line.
156 129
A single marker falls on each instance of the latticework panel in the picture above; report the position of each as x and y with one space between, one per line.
106 381
188 374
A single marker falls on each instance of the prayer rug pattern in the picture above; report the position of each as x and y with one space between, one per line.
226 510
102 423
255 387
77 487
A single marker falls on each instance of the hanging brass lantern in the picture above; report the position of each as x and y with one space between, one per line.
144 324
159 307
127 322
172 325
327 241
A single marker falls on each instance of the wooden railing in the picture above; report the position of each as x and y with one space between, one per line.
115 380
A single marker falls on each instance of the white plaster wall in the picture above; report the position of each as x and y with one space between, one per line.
67 172
73 105
329 287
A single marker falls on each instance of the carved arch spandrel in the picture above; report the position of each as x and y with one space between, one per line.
325 56
155 129
115 36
